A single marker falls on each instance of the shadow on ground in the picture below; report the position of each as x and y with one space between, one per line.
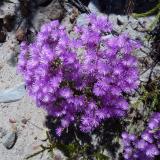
123 6
101 140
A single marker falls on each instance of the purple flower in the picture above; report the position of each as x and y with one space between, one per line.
141 145
66 93
59 131
154 121
147 145
80 79
147 137
152 151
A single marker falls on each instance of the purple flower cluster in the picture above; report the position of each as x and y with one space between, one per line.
147 146
80 77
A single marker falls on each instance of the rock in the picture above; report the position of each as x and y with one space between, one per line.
54 11
8 9
2 36
119 21
13 59
12 120
151 73
45 14
24 121
81 20
9 140
35 138
59 155
43 136
94 6
12 94
145 76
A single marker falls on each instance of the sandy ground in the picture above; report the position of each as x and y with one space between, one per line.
27 134
13 115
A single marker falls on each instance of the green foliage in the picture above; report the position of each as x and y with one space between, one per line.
150 95
148 13
147 101
72 150
154 10
100 156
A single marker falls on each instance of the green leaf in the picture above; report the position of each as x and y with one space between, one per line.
101 156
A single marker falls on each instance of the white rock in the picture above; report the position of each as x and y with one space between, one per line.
9 140
94 6
12 94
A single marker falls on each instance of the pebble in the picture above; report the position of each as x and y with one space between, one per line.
9 140
120 21
24 121
12 120
12 94
43 136
35 138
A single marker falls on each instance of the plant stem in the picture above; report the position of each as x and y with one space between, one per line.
150 12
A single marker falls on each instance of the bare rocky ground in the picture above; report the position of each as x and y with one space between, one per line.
21 117
21 122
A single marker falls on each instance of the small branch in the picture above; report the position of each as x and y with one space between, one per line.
80 6
36 125
150 12
35 154
150 67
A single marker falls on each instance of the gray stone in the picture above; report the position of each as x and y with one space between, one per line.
9 140
81 19
120 20
45 14
12 94
94 6
150 73
59 154
7 9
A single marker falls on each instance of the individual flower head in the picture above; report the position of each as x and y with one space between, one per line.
101 23
152 151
